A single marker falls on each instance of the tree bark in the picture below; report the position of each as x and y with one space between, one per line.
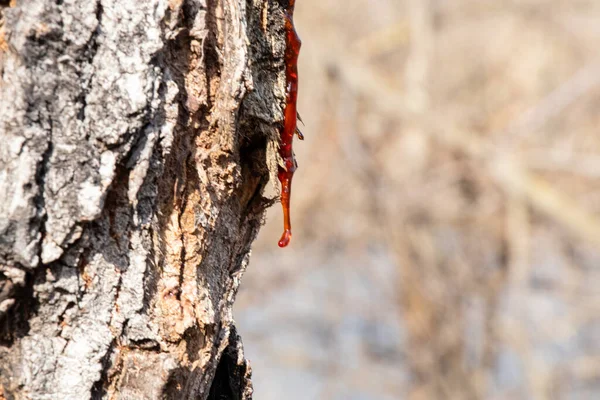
136 138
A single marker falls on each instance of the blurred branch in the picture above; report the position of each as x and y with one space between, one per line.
509 173
544 197
583 81
563 160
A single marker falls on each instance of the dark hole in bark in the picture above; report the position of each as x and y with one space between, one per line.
232 378
14 323
221 387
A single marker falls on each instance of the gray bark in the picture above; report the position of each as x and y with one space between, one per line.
136 138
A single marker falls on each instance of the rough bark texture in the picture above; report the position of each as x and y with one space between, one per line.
136 138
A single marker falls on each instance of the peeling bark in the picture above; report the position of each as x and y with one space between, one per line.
136 141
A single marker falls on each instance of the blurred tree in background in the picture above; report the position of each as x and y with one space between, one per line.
446 203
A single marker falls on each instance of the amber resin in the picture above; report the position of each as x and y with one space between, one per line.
289 121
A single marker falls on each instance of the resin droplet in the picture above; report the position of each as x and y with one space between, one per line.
289 129
285 238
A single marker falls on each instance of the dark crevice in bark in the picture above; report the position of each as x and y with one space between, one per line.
40 201
90 51
211 59
118 213
184 199
70 305
232 377
255 172
176 61
150 276
83 280
220 388
148 345
99 389
14 324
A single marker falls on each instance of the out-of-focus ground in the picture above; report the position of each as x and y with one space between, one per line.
445 210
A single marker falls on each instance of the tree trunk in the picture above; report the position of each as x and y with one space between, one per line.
136 138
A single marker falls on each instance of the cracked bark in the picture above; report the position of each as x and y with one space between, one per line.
136 141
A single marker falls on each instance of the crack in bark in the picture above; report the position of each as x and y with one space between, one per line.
182 237
14 323
91 49
40 200
99 388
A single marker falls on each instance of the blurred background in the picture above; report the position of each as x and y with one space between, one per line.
446 209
